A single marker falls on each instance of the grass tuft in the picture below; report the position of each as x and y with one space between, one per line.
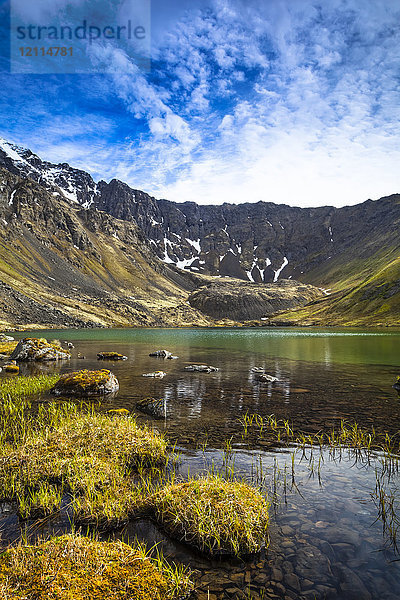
214 515
90 456
74 567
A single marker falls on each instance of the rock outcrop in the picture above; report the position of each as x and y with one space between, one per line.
39 349
241 301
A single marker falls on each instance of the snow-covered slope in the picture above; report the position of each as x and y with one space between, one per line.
257 242
76 185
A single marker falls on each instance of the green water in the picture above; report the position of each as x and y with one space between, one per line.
326 345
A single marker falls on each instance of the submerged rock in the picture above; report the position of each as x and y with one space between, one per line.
161 354
201 368
154 407
266 377
38 349
111 356
159 374
86 383
396 386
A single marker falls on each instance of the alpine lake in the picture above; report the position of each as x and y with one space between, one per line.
335 509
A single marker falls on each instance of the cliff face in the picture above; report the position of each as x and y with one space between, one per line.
62 265
121 239
242 301
257 242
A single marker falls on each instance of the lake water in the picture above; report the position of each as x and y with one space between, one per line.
326 537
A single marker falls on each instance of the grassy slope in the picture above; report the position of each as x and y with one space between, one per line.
363 273
109 279
375 300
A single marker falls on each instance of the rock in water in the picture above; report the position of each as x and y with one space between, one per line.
38 349
161 354
154 407
111 356
11 367
266 377
86 383
159 374
396 386
201 368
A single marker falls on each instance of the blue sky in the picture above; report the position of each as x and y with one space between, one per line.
289 101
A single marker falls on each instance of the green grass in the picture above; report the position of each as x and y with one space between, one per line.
72 567
111 470
89 456
25 386
214 515
375 300
347 435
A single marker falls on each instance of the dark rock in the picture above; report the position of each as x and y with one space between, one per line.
161 354
350 583
154 407
245 301
292 581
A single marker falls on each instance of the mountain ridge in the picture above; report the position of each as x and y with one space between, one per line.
335 249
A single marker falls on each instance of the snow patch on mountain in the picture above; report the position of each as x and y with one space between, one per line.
279 271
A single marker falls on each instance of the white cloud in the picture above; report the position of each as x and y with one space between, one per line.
281 101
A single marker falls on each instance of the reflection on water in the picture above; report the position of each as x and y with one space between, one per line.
328 535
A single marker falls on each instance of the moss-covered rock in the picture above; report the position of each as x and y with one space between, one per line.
11 368
86 383
74 567
110 356
39 349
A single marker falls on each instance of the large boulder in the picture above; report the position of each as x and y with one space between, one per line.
39 349
86 383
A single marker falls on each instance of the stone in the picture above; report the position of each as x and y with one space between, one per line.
156 374
161 354
276 574
266 378
11 368
155 407
39 349
350 583
86 383
201 368
292 581
287 530
340 536
111 356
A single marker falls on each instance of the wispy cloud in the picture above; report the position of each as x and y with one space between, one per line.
285 101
